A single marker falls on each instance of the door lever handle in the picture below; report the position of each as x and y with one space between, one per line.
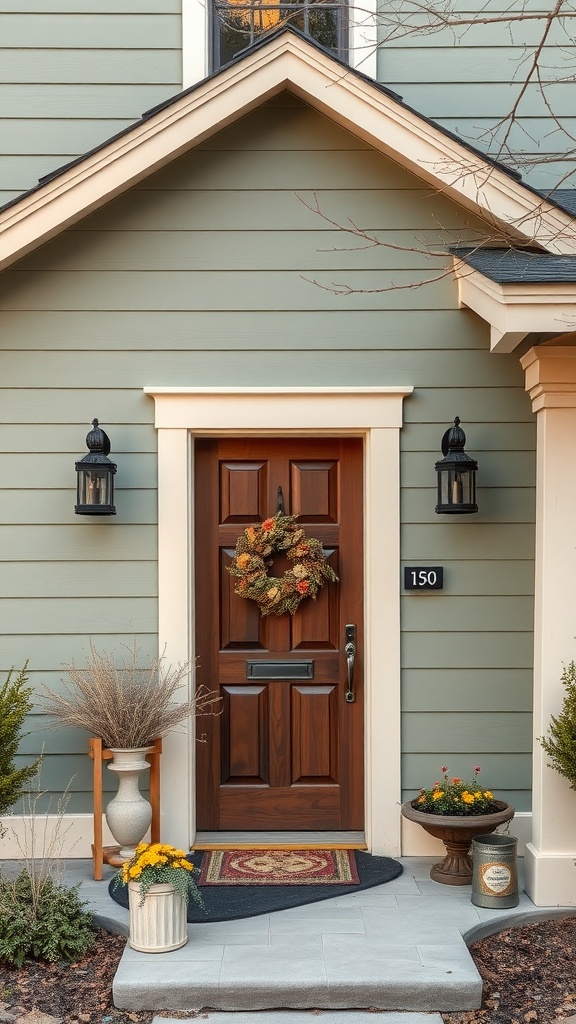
350 652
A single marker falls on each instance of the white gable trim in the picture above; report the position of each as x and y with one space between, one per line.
515 310
286 61
375 414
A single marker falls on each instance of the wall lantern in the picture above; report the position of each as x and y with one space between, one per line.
456 474
95 486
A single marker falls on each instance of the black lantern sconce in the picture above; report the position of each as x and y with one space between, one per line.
456 475
95 484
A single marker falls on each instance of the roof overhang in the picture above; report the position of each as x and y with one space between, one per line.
286 61
515 310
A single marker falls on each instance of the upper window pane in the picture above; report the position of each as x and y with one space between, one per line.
238 24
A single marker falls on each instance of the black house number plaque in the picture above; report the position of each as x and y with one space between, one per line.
423 577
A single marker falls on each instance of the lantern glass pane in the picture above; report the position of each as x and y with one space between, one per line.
94 486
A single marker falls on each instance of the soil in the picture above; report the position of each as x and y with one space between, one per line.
529 976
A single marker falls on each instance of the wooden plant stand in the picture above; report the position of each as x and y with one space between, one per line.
110 854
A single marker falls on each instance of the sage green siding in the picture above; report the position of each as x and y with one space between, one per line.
75 72
471 72
221 270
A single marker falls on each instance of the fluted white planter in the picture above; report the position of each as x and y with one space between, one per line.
159 925
128 814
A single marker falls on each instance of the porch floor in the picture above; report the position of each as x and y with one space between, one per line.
399 947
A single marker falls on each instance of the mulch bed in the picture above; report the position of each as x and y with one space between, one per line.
80 992
529 976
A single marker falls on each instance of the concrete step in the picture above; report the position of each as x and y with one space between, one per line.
307 957
304 1017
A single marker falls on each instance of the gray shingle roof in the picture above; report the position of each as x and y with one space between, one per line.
563 197
516 266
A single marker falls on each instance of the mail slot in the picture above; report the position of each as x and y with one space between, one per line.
280 669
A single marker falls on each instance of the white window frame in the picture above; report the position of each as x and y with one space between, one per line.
195 33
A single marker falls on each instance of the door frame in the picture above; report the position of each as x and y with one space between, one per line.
373 413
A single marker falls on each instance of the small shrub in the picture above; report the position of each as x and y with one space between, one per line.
45 922
560 743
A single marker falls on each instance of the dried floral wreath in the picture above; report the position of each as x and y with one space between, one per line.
255 550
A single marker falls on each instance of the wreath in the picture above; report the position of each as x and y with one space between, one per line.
255 550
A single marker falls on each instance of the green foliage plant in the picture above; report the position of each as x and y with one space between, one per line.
15 703
453 796
560 741
42 922
40 917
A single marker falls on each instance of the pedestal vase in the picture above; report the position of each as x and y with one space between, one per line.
457 834
128 814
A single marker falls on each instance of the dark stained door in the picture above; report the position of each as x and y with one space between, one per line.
284 753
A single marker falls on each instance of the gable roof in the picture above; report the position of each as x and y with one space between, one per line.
285 60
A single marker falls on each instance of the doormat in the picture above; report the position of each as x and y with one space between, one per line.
228 902
279 867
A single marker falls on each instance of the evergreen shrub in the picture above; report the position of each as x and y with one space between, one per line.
560 742
15 703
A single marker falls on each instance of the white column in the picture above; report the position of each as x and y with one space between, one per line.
174 618
550 860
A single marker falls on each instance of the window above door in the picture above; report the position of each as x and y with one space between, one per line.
214 32
237 24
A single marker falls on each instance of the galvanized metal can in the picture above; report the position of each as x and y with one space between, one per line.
494 871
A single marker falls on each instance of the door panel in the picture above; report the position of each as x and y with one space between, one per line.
286 753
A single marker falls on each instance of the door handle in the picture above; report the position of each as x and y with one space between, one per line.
350 652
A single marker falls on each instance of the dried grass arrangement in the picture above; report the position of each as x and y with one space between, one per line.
124 704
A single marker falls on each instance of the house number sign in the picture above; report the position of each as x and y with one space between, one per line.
423 577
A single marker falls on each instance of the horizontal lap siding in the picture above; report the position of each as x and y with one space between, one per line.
469 77
229 268
74 74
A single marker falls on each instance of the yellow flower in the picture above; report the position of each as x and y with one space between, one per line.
467 797
437 794
242 560
488 794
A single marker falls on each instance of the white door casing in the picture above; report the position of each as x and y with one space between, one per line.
375 414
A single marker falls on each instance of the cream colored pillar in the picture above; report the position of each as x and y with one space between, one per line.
550 861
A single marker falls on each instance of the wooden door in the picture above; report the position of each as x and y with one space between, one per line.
286 753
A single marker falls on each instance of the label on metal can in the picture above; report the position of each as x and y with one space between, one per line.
496 878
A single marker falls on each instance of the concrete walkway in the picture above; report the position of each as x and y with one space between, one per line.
397 947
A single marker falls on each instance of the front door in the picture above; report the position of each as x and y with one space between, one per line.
287 751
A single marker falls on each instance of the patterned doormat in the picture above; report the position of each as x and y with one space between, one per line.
227 902
279 867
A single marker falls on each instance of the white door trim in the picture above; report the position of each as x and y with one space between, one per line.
375 414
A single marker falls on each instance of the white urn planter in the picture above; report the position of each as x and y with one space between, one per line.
160 924
128 814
